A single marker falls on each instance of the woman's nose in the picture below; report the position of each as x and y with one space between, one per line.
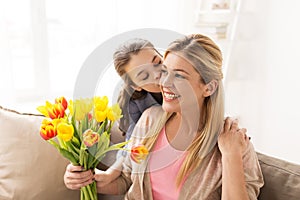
166 81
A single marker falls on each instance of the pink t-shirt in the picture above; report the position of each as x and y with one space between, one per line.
164 165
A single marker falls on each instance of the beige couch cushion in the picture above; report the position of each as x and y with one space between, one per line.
30 168
282 179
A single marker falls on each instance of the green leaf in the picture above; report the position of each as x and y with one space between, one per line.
100 154
62 143
119 145
68 155
52 142
93 150
85 123
75 127
80 131
96 161
81 156
76 142
74 150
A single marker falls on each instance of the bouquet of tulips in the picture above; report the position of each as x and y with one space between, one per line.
80 131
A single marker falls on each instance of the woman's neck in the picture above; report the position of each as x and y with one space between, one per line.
181 131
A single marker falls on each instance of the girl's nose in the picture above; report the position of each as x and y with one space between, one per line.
157 75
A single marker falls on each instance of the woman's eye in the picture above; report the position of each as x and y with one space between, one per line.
179 76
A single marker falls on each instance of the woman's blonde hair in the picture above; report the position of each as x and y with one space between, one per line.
206 57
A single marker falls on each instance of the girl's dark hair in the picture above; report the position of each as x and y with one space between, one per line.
122 57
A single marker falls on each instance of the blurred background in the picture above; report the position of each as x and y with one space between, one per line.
43 44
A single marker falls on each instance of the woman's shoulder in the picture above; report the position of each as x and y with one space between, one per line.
153 110
151 114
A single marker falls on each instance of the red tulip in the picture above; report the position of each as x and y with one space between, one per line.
47 129
56 111
62 101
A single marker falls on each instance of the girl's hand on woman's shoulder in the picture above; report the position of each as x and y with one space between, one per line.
232 140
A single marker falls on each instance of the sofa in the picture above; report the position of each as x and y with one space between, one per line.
32 169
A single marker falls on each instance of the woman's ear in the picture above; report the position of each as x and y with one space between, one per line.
136 88
210 88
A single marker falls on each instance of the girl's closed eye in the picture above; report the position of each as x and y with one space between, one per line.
145 76
164 72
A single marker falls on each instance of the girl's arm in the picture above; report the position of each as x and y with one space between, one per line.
105 177
233 143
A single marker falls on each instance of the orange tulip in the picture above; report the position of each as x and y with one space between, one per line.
62 101
54 111
48 129
139 153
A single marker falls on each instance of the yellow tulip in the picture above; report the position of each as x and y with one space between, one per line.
43 110
100 116
100 103
71 107
82 107
65 131
114 113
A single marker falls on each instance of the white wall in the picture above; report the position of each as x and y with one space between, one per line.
281 134
263 86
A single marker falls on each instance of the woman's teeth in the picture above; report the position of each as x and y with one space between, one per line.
171 96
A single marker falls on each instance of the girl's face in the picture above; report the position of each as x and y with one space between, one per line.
181 85
144 69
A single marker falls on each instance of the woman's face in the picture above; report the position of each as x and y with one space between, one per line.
144 69
181 85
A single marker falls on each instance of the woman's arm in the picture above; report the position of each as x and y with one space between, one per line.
233 143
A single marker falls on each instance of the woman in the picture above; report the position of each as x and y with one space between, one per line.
139 65
193 153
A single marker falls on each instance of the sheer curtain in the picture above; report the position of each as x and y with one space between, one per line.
43 43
